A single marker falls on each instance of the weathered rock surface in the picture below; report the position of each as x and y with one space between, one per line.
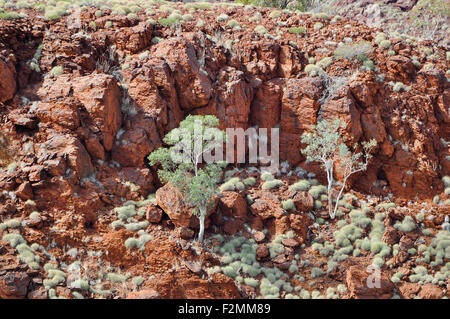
171 201
364 285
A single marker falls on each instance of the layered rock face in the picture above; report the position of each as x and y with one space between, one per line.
76 134
119 109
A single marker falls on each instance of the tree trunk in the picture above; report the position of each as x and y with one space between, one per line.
202 224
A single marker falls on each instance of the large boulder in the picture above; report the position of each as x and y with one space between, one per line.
14 285
304 202
231 103
299 108
267 206
101 97
180 213
233 204
192 82
8 84
266 104
368 284
65 151
136 142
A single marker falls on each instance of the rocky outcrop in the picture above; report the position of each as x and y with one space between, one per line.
14 285
180 213
371 284
7 80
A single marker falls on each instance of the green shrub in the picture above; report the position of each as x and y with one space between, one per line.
355 50
137 226
9 15
386 44
138 280
288 204
380 37
399 86
232 184
251 282
260 29
317 190
321 15
14 239
222 17
12 223
297 30
233 23
267 177
125 212
272 184
324 63
318 26
313 70
169 21
116 278
446 181
407 225
275 14
369 65
187 17
131 243
316 272
56 71
302 185
250 181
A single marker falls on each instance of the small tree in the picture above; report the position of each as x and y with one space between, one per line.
181 162
324 144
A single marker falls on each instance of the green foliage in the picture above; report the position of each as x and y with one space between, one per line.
56 71
272 184
407 225
12 223
314 70
55 277
316 272
222 17
125 212
14 239
297 30
233 23
316 190
354 50
260 29
386 44
321 16
232 184
9 15
250 181
251 282
446 181
198 185
302 185
116 278
399 86
288 204
318 26
324 63
275 14
267 177
137 226
138 280
169 21
324 145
